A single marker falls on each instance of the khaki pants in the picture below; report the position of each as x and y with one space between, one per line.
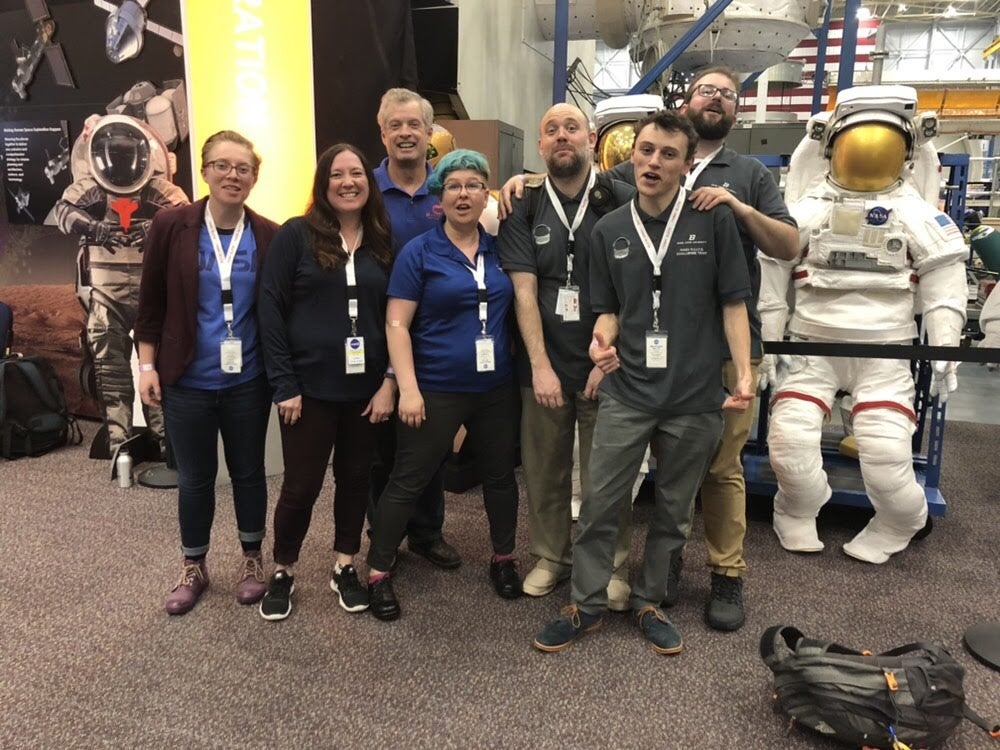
547 437
723 493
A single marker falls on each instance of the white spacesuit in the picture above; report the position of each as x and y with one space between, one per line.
869 241
121 171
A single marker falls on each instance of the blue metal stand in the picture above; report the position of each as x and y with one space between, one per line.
848 45
819 72
559 53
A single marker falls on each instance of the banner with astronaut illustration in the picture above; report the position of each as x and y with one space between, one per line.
93 140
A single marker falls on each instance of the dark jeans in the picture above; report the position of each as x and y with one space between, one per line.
421 451
306 445
194 420
428 516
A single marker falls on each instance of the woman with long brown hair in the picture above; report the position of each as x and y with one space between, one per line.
322 326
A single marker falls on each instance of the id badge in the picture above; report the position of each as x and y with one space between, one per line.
485 361
656 350
568 303
231 355
354 355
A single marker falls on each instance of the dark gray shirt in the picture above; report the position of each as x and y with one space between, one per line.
699 274
751 183
539 244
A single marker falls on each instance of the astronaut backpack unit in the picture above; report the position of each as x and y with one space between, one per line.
908 698
34 418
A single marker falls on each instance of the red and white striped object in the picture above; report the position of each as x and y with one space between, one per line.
799 99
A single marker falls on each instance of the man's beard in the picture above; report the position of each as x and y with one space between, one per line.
565 169
709 131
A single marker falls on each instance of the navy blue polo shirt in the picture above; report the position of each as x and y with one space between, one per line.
409 216
432 272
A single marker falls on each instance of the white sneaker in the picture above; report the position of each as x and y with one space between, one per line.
797 534
544 577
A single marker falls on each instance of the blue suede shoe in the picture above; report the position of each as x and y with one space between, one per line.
573 624
659 631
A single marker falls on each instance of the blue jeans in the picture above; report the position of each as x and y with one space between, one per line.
194 419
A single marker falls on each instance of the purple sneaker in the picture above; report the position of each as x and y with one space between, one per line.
251 585
190 587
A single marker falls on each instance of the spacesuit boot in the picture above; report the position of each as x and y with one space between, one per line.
887 468
803 487
796 533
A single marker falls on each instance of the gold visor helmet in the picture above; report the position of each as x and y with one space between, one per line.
868 157
872 135
440 143
614 120
615 145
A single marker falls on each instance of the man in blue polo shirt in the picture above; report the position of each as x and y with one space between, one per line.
405 119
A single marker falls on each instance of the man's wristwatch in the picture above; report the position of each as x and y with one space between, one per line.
147 368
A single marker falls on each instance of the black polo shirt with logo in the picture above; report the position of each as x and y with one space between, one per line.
752 184
538 245
699 274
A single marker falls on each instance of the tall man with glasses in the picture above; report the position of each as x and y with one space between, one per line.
405 120
720 176
667 284
545 247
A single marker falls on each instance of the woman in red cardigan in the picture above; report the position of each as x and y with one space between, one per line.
199 355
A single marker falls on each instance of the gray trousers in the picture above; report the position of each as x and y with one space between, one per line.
684 448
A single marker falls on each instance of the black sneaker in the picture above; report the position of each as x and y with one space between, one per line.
277 602
725 607
674 580
382 599
353 596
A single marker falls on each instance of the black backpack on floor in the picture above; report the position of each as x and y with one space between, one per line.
911 696
33 414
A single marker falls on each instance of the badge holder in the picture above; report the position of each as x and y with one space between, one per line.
231 352
568 303
354 350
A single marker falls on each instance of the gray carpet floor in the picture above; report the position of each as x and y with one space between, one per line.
89 658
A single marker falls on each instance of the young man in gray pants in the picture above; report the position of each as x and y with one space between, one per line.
667 282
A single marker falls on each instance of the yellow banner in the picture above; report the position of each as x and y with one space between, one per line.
249 69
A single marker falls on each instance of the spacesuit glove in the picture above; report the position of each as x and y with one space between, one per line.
105 234
767 372
136 235
991 341
944 381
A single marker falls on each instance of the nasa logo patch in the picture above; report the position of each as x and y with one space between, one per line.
878 216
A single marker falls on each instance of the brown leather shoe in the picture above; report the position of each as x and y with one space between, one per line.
190 587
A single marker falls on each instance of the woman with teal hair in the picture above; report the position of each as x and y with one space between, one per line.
450 346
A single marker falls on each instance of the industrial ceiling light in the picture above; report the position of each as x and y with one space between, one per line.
864 14
902 8
950 11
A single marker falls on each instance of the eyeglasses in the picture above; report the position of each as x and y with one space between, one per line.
472 188
223 167
707 90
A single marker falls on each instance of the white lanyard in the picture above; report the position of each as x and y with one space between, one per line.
479 274
581 211
225 263
656 256
352 281
694 174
